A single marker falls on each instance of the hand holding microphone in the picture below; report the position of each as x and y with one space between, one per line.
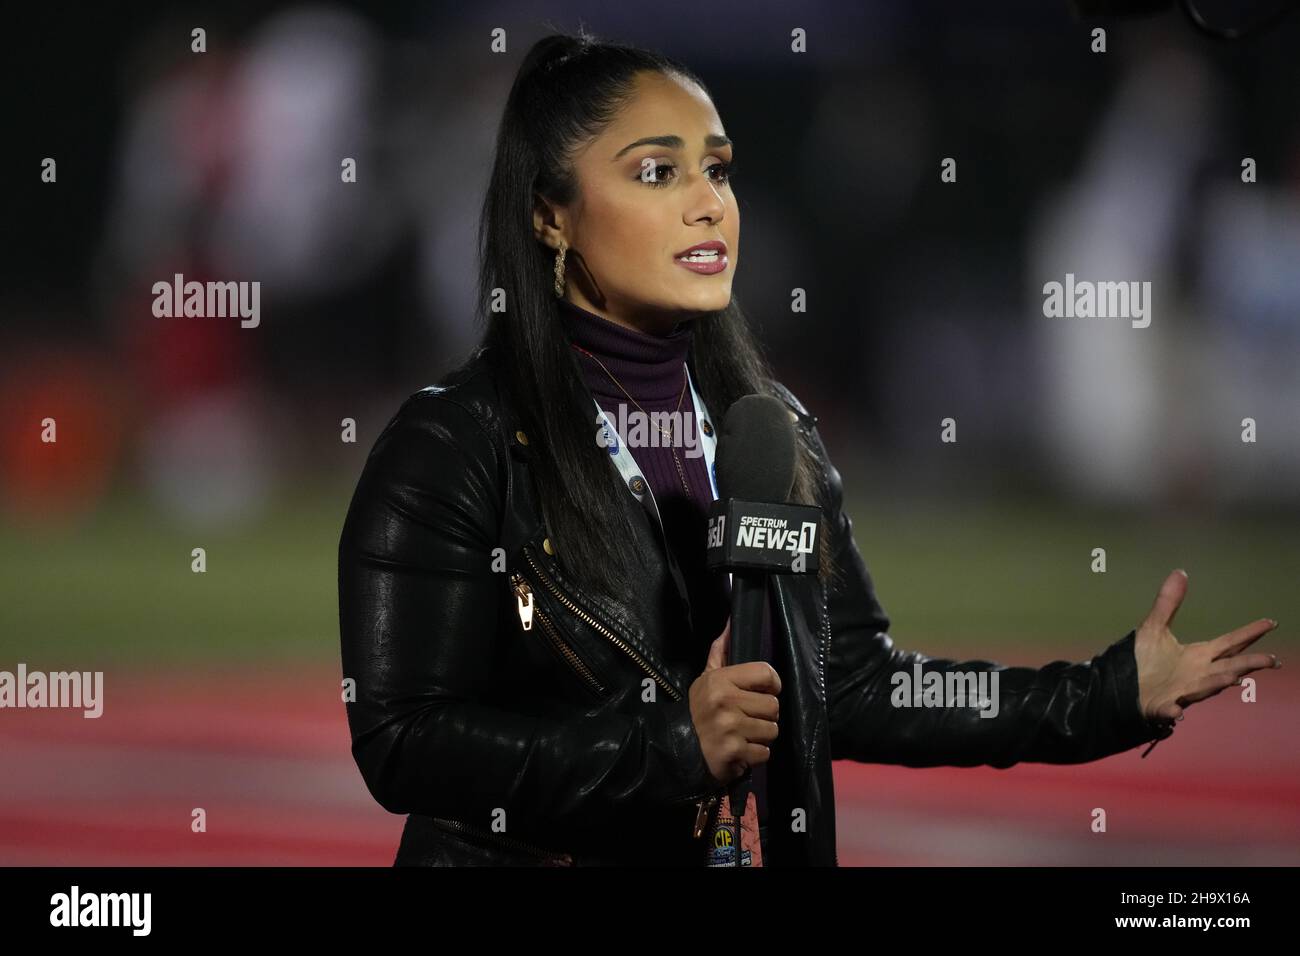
753 533
735 711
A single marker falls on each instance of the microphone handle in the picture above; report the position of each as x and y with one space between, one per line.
748 593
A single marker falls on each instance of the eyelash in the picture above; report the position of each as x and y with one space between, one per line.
728 169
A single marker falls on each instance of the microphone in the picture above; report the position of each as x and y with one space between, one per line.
753 531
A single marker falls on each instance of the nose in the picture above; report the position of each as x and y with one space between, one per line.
707 204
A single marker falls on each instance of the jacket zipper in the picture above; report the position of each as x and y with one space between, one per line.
528 610
709 800
600 628
493 837
826 646
702 816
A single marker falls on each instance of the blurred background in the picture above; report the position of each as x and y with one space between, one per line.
924 302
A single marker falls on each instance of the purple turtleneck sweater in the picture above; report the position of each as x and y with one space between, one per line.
652 369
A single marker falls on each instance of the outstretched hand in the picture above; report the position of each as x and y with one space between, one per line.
1172 676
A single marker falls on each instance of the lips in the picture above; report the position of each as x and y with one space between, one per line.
711 246
704 258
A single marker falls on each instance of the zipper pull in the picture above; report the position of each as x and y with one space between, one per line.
702 817
524 596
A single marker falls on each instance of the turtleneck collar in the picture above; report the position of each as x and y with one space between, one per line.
648 366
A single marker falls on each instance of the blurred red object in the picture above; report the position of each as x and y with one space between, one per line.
55 483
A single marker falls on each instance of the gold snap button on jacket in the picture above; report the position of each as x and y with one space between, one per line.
521 438
547 547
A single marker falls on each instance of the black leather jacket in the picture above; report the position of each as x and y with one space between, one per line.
537 746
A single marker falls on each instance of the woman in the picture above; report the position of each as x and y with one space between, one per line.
539 652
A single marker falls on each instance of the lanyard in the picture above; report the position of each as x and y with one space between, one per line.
627 466
706 435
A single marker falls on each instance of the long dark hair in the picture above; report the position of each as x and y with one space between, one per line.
567 90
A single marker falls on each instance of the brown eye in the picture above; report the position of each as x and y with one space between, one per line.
657 181
727 170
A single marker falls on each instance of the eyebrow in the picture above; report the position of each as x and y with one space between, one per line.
673 142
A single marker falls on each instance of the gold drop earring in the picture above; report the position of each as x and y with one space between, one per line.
559 270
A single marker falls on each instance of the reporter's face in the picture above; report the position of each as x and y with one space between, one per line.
639 206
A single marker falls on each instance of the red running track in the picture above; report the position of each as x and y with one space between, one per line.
265 755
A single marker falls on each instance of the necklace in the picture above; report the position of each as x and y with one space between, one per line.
666 432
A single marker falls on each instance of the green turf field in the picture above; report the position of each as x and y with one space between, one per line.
120 588
1019 573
